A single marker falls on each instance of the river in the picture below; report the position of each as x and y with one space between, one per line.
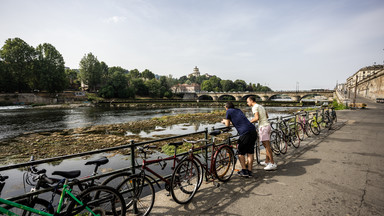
18 120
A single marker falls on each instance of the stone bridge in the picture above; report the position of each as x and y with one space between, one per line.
296 96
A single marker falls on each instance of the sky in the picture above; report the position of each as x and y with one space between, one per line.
286 45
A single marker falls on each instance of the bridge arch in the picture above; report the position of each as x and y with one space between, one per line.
227 97
280 97
205 97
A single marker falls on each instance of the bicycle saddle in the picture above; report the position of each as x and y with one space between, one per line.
215 133
176 143
98 162
68 174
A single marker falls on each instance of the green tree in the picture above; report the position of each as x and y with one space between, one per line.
206 86
133 74
73 80
154 88
147 74
183 79
105 73
139 86
90 71
227 85
241 85
18 57
49 73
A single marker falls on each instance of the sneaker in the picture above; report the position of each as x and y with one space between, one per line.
271 166
243 173
249 173
262 163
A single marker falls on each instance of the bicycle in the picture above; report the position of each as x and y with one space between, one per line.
288 134
314 125
39 180
222 165
94 200
138 189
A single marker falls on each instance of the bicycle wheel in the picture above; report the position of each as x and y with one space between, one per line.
102 200
224 163
300 130
257 151
116 179
184 181
37 203
139 194
314 126
283 145
295 139
275 142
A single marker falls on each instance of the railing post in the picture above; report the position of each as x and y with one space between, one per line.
133 156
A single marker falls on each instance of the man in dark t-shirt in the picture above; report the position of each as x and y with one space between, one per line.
247 139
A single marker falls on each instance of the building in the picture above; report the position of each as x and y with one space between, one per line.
186 88
195 73
369 81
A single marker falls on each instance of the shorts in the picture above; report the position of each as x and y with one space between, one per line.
265 133
247 143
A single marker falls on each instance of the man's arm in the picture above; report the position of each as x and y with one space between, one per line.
227 122
255 118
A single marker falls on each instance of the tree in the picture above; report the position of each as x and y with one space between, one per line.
154 88
105 73
241 85
17 57
49 73
183 79
213 84
90 71
206 86
139 87
227 85
133 74
147 74
72 78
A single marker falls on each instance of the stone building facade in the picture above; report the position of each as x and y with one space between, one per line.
369 81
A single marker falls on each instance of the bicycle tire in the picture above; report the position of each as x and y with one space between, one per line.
184 181
139 194
295 138
103 200
314 126
37 203
116 179
257 150
300 131
223 163
283 145
275 142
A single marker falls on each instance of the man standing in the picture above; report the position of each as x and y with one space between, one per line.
261 116
248 135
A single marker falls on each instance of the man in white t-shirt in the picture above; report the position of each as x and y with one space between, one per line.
261 116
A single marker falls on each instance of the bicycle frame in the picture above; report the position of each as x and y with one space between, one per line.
66 190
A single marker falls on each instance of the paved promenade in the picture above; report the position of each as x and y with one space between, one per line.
340 172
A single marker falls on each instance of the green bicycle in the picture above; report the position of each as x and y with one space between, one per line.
97 201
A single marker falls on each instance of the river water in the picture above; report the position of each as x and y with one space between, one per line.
18 120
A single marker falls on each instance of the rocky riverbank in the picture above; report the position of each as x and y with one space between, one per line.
70 141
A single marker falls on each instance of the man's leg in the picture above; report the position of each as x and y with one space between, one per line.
250 161
242 161
269 158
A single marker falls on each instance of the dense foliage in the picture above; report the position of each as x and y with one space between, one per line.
24 68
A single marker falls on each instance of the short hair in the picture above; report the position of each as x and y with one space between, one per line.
229 105
252 98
